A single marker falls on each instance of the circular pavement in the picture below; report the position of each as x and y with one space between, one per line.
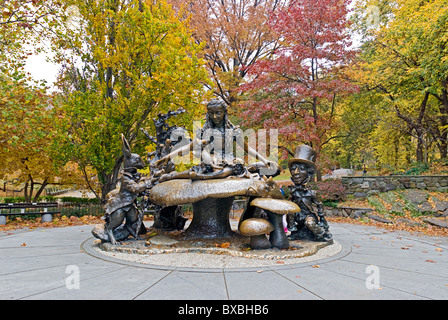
364 263
210 262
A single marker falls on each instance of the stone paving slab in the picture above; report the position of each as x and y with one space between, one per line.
38 271
327 284
182 285
133 281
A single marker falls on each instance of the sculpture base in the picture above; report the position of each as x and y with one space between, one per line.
120 233
172 247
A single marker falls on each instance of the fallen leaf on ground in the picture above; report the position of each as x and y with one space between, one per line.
431 261
280 262
316 266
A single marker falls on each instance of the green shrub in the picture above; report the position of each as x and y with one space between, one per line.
22 199
79 200
330 203
376 203
13 199
417 169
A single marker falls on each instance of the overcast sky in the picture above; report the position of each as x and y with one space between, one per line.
40 69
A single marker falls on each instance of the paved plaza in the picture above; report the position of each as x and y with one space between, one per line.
368 263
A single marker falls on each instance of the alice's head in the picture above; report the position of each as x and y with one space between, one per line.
217 113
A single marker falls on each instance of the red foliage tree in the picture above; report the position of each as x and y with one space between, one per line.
295 89
235 34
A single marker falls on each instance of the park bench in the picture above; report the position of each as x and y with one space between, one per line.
46 209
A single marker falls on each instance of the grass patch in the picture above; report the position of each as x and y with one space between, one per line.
376 203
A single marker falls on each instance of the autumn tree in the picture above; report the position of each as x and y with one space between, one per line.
26 132
132 59
26 116
236 35
23 25
297 88
403 63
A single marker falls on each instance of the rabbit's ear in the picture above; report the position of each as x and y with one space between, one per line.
125 147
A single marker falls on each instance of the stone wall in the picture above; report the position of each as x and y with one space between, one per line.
365 186
347 212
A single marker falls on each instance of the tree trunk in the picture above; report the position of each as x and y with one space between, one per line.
25 192
420 147
416 125
443 100
443 147
110 180
41 189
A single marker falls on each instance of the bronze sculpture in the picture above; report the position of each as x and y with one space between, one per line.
309 223
211 187
121 202
167 137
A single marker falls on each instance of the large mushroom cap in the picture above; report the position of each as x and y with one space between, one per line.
276 205
255 227
184 191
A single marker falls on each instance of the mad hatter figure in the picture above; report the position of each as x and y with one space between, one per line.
309 223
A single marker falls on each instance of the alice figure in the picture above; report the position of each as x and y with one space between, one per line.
215 142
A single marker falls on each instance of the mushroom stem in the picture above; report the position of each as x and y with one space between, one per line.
277 237
260 242
211 219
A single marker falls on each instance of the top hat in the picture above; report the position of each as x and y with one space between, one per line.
304 154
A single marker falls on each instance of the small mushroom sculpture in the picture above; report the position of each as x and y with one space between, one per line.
275 209
256 229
